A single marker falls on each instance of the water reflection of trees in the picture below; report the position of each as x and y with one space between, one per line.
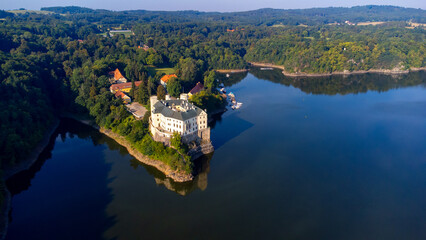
202 164
233 78
337 84
71 128
202 168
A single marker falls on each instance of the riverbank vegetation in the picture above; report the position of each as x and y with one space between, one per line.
55 63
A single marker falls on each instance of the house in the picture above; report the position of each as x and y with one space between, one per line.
126 99
123 87
164 79
198 88
169 116
117 77
144 47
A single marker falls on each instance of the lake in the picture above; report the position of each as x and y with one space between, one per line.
341 157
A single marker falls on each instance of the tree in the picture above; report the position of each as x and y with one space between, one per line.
174 88
161 92
176 141
142 94
190 70
210 81
151 85
133 89
92 92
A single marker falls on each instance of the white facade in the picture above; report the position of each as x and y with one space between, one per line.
180 116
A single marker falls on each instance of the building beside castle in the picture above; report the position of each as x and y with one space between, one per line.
116 77
169 116
123 87
165 79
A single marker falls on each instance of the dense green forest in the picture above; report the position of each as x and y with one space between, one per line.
266 16
51 64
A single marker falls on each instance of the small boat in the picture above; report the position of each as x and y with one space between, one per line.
223 90
236 105
231 94
227 75
266 68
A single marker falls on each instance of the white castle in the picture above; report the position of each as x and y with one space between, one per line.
169 116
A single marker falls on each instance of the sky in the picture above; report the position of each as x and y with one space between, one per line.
203 5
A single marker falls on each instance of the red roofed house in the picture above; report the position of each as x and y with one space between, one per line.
166 78
199 87
126 99
123 87
117 77
145 47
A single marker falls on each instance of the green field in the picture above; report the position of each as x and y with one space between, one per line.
153 70
125 33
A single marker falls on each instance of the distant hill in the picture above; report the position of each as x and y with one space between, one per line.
4 14
314 16
68 10
266 16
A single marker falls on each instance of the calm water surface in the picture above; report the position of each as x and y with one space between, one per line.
324 158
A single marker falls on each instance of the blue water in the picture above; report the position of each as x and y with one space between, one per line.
301 159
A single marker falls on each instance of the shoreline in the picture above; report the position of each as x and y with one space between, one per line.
231 70
27 163
164 168
380 71
24 165
159 165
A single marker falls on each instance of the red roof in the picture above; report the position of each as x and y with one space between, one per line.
117 74
120 94
119 86
199 87
166 78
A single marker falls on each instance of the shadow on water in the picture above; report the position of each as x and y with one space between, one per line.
71 128
233 127
82 217
67 128
233 78
201 167
84 211
202 164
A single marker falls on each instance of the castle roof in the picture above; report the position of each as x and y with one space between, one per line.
167 109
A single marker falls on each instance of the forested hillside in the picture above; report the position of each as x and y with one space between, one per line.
52 64
266 16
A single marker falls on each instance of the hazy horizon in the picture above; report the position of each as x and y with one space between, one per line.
202 5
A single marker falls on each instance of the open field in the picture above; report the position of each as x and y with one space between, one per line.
414 25
369 23
126 33
282 25
278 25
30 11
